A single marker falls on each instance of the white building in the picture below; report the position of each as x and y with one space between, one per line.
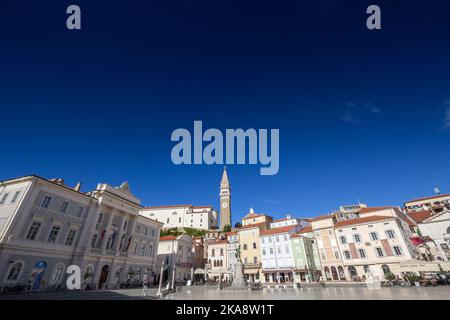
285 222
46 226
183 216
437 204
232 247
276 254
175 255
437 227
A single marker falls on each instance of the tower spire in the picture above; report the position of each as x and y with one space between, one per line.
225 183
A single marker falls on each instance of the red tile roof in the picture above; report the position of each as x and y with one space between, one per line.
253 215
254 225
307 229
231 233
420 216
428 198
374 209
277 230
319 218
370 219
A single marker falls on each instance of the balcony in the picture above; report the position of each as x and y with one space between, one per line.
252 265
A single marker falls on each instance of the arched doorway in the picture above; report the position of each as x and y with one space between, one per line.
327 273
103 276
352 272
341 273
334 274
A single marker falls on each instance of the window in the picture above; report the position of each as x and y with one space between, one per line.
324 257
221 252
46 201
264 252
357 238
287 250
168 220
14 272
80 212
336 255
94 240
153 232
347 255
343 240
16 195
99 220
53 234
31 235
70 237
367 269
277 238
279 249
397 250
64 207
138 228
285 237
255 260
390 234
254 245
245 246
362 253
5 196
448 230
146 230
271 250
179 220
270 240
213 252
379 252
142 249
374 236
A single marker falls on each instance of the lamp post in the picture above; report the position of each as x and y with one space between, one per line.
159 293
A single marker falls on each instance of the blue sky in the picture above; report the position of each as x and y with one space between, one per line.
362 114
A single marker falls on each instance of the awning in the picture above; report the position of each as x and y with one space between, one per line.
199 271
445 266
416 266
251 271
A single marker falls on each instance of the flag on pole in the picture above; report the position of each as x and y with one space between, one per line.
129 242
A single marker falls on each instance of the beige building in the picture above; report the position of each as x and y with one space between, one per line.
255 218
436 204
373 246
250 250
225 201
217 259
327 245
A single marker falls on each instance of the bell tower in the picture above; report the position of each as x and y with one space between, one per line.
225 201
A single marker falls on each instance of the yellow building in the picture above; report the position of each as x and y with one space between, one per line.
252 226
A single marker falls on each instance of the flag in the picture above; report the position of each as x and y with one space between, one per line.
103 233
129 242
113 238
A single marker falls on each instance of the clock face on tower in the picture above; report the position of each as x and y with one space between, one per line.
224 205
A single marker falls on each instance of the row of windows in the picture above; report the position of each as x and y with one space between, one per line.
213 252
6 195
373 236
53 235
245 247
64 206
279 250
378 251
285 237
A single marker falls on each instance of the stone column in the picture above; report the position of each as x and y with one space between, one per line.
120 235
107 232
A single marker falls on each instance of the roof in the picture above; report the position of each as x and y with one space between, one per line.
252 215
420 216
169 206
319 218
214 242
231 233
363 220
373 209
277 230
428 198
250 226
307 229
168 238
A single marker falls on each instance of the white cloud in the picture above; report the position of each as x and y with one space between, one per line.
447 114
349 117
373 108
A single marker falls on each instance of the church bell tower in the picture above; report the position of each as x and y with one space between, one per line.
225 201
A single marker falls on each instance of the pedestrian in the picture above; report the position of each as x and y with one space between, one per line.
144 288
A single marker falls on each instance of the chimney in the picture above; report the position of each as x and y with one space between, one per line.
251 210
77 187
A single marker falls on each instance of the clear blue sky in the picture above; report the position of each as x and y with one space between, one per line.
362 115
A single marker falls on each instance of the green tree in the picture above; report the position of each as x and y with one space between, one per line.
238 225
226 228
